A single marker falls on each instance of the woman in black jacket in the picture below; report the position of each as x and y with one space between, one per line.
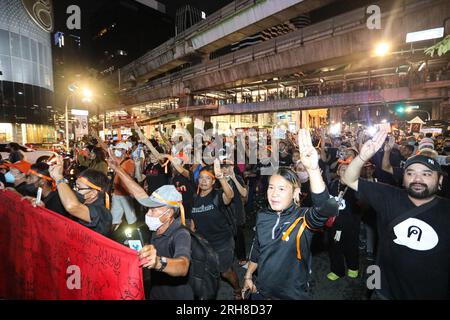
281 246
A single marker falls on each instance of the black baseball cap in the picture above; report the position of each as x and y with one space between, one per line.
426 161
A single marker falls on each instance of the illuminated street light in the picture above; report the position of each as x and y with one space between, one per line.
87 93
382 49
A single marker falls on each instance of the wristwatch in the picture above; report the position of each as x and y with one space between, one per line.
61 180
163 264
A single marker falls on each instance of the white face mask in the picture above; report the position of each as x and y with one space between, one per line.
154 223
118 153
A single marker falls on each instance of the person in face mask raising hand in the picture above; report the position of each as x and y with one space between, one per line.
169 254
89 203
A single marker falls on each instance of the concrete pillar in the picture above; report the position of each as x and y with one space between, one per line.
445 108
336 115
304 119
437 110
17 133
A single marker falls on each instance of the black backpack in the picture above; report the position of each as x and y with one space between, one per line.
204 274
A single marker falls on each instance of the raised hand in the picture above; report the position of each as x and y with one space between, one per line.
308 154
390 144
112 162
56 169
217 170
139 132
371 147
102 144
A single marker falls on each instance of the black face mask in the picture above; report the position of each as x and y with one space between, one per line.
30 189
80 197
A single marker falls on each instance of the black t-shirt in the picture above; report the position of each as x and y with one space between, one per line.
163 286
210 221
155 176
238 205
101 218
414 255
53 202
186 187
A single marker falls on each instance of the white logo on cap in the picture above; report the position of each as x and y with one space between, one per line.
416 234
431 161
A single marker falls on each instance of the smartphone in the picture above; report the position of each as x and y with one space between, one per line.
135 244
39 195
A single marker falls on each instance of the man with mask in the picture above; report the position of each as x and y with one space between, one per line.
168 260
39 177
122 203
89 203
413 223
17 177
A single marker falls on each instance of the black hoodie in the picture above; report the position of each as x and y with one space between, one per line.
281 274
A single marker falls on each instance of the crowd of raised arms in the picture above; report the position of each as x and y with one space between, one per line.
384 197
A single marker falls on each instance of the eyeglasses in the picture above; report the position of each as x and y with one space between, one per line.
77 188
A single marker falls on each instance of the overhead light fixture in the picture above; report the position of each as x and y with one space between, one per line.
275 79
422 65
382 49
425 35
321 80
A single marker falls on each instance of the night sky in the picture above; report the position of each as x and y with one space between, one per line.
88 7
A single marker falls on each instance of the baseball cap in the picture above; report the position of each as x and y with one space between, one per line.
430 163
122 145
166 195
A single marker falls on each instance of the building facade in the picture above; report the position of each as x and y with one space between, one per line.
26 72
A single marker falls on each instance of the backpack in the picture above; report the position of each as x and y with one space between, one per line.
204 274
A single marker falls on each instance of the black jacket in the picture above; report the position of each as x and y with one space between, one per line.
282 274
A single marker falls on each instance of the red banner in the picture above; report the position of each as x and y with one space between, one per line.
44 255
